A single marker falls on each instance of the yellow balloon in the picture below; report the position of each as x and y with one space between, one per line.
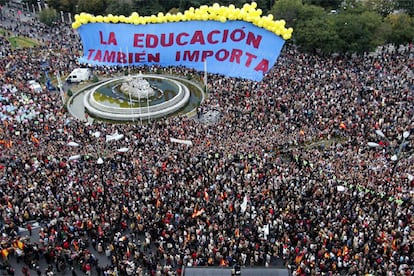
256 21
76 17
99 18
216 6
286 36
278 31
242 15
254 5
222 19
134 14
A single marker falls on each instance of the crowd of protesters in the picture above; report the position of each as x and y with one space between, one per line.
283 176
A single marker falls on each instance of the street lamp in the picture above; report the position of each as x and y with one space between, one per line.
397 150
396 156
100 162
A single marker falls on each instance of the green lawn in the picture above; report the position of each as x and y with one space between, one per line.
18 41
22 42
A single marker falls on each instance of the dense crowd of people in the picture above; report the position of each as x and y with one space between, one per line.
285 175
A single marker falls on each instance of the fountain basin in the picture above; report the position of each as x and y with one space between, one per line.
139 109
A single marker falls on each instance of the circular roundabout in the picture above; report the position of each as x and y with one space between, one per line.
136 98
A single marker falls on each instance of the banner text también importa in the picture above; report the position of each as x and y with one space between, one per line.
198 37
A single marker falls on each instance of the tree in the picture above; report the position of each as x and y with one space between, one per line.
402 26
311 11
352 6
63 5
317 35
288 10
48 16
383 7
326 4
148 7
356 31
122 7
406 5
91 6
382 34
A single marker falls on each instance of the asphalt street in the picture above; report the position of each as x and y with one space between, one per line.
103 260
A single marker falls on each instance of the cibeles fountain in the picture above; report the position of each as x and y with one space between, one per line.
136 87
137 97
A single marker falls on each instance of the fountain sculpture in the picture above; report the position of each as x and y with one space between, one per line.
136 87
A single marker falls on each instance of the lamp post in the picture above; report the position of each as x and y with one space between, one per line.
397 150
100 164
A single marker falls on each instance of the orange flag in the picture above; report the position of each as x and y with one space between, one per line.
197 213
34 139
206 196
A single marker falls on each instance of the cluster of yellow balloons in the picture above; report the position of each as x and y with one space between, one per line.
248 13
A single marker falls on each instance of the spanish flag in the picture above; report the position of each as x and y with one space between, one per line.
5 253
206 196
158 203
197 213
34 139
299 258
223 262
9 144
20 244
394 245
345 251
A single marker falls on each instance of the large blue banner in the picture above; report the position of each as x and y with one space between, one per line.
234 48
